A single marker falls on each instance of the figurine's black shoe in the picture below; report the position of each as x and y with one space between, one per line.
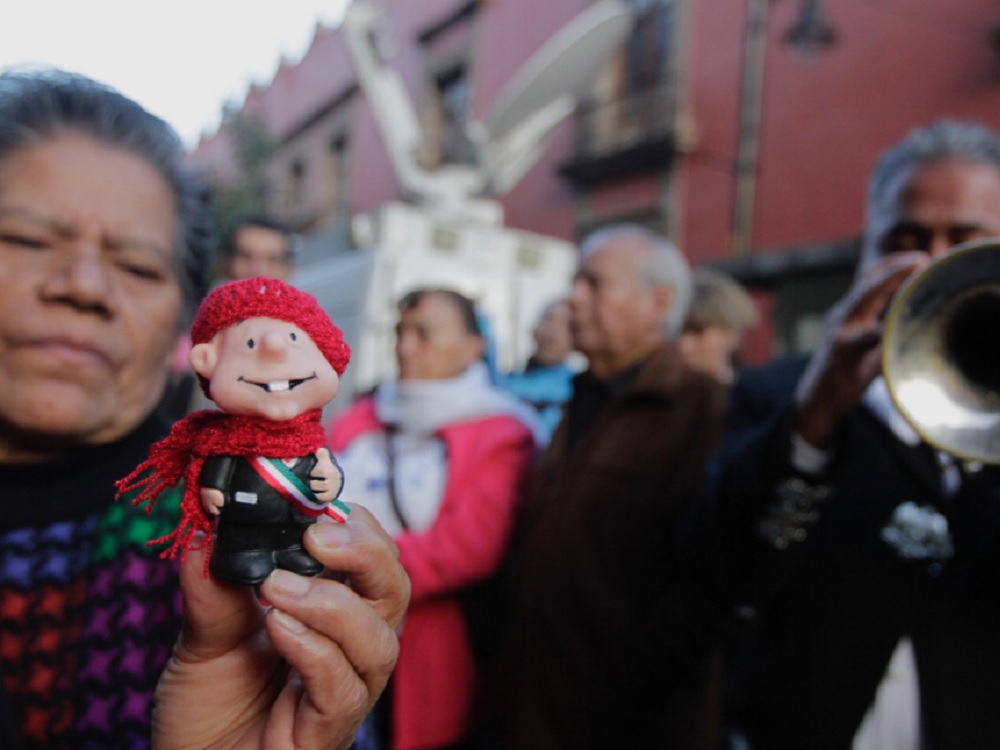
298 561
247 568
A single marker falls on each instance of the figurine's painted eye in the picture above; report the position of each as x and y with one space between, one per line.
251 343
294 337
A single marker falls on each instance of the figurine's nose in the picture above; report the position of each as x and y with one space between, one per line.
273 345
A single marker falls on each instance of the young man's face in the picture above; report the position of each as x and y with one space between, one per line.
259 251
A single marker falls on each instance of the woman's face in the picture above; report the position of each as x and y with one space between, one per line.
90 302
432 341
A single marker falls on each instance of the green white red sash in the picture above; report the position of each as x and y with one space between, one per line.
280 478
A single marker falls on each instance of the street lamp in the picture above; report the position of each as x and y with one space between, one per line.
811 32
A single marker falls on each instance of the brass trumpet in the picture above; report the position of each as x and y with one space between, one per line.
941 352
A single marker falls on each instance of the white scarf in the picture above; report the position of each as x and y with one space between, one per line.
418 409
424 406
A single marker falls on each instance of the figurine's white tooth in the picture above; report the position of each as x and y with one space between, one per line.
277 385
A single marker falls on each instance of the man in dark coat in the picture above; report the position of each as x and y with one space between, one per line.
865 565
599 650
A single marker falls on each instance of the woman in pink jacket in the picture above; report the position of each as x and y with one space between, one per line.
439 457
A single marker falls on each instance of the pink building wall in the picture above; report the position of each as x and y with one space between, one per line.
896 64
506 35
823 119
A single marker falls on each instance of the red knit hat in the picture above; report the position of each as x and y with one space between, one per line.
261 297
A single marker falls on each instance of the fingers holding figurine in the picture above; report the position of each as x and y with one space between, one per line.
302 674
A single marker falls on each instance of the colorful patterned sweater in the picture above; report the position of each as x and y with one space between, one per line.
88 612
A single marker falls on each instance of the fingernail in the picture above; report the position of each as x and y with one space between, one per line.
289 584
330 534
288 622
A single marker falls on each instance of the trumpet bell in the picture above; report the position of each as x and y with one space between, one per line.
941 352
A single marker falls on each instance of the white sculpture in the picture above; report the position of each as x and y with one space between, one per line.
513 135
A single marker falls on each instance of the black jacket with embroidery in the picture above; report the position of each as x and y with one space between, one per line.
828 612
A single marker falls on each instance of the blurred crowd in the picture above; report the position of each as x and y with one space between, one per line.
633 542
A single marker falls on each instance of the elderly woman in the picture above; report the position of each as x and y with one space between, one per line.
103 259
439 457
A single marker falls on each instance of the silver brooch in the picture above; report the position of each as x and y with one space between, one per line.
917 532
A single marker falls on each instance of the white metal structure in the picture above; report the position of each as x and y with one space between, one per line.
450 232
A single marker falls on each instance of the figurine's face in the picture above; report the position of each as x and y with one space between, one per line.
264 367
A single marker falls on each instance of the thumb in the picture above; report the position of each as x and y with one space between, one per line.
217 616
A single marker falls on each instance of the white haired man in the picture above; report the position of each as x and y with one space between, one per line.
598 650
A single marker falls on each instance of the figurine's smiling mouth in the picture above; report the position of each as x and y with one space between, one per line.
276 386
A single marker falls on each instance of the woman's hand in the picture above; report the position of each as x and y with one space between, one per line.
302 674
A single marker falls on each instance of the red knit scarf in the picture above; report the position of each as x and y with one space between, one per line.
206 433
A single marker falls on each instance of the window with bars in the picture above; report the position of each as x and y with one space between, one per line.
454 91
647 53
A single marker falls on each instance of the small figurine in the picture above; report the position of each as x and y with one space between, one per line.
270 358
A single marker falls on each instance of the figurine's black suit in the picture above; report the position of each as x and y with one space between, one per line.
258 529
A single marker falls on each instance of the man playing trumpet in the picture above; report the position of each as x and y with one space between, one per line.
864 563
